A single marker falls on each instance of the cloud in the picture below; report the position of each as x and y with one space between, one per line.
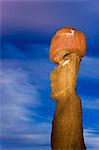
34 51
90 103
88 68
10 51
15 84
38 54
16 94
91 139
27 109
30 51
88 78
24 117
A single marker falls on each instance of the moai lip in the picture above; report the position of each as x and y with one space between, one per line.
67 129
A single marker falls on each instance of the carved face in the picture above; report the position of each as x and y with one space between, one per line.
64 75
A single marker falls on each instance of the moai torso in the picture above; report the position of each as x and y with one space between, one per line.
67 132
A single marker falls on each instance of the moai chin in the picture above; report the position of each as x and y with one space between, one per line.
67 48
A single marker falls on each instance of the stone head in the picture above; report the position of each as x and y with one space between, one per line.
67 48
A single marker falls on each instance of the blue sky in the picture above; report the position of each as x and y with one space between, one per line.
27 109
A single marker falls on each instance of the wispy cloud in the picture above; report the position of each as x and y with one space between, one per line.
26 116
88 78
91 139
30 51
38 55
90 103
16 94
22 83
88 68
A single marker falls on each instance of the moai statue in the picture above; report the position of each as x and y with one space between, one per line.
67 48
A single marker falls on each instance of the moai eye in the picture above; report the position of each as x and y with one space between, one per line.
65 56
65 60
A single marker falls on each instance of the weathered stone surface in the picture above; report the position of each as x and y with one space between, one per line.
67 130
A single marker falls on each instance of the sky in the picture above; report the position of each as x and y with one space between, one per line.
26 109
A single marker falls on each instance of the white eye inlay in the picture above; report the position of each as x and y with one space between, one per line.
66 62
